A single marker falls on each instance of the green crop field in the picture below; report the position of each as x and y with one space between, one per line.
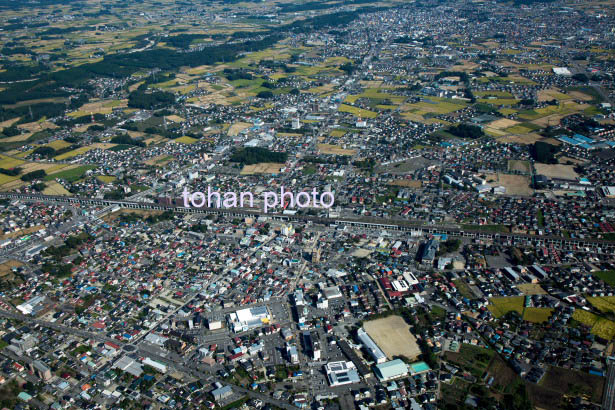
500 306
71 175
357 112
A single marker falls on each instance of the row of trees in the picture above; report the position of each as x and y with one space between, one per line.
257 155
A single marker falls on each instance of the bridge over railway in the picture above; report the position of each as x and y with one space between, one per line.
414 228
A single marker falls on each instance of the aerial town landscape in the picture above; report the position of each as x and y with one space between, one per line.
282 204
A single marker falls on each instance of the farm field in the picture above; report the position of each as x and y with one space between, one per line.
357 112
70 175
604 304
501 305
599 326
73 153
54 188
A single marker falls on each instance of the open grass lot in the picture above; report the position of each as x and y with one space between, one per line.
537 315
338 133
71 175
160 160
263 168
523 139
392 335
524 128
236 128
502 123
7 266
99 107
502 305
58 144
357 112
531 289
503 376
335 150
556 171
106 179
607 276
568 381
473 359
464 289
519 165
22 232
54 188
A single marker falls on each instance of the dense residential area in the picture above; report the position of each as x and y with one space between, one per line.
465 151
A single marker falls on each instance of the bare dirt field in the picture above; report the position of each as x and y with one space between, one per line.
38 126
335 149
503 123
103 145
407 183
22 232
54 188
6 267
557 171
392 335
552 94
514 184
526 139
11 185
160 160
237 128
264 168
580 96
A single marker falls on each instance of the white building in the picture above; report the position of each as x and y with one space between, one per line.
341 373
250 318
156 365
371 347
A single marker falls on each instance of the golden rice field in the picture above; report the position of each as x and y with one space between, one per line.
357 112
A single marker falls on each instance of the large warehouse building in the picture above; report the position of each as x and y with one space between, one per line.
250 318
